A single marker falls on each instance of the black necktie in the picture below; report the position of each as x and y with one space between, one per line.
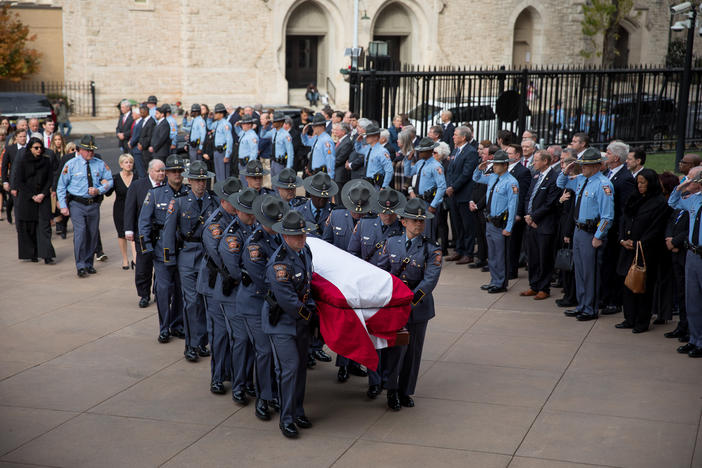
199 204
419 178
576 213
316 215
696 228
368 157
489 201
383 228
90 174
408 244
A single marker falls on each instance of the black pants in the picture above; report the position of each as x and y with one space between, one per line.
442 228
480 235
143 273
515 248
465 222
637 308
679 288
612 283
540 258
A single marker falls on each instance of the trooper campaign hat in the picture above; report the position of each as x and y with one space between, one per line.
269 209
254 168
198 170
247 119
287 179
278 116
244 200
219 108
372 129
174 162
88 143
164 108
389 201
318 119
425 144
500 157
227 187
321 185
152 100
590 156
358 196
293 224
195 108
416 208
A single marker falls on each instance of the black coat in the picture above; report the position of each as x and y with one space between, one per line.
161 140
523 176
544 207
125 127
678 228
145 138
459 173
447 134
135 200
567 220
8 159
623 184
646 223
32 176
342 154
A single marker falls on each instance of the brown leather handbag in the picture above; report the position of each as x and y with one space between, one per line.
636 277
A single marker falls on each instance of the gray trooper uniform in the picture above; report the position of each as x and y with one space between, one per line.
182 245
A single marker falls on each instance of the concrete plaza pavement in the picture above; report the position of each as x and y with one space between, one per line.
506 381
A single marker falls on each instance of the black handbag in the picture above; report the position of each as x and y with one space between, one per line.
564 260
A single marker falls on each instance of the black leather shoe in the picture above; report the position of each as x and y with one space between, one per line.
697 352
496 290
250 390
610 310
684 339
202 351
343 374
240 397
289 430
35 260
406 401
638 330
476 265
302 422
217 388
82 273
178 334
320 355
63 234
677 333
571 313
485 269
485 287
49 261
100 257
394 400
684 349
164 337
624 324
190 354
311 361
144 302
563 303
274 404
373 391
585 317
262 412
357 371
91 270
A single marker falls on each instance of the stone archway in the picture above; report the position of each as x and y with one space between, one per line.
393 24
306 46
528 34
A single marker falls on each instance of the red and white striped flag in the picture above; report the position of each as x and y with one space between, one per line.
361 307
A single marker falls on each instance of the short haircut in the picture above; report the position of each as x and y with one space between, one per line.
668 181
154 162
582 136
493 149
556 149
339 114
443 149
544 156
506 136
517 148
619 149
640 154
345 127
124 157
436 129
533 133
447 112
385 134
288 120
465 132
363 123
486 143
327 112
354 116
529 142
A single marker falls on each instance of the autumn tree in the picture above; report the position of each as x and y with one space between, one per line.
17 60
602 18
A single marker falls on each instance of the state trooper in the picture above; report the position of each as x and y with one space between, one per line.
285 317
173 133
377 159
253 176
256 252
283 151
151 103
501 210
430 184
285 184
594 211
80 190
693 260
248 142
367 242
321 156
215 286
223 143
230 249
416 260
198 133
182 245
167 290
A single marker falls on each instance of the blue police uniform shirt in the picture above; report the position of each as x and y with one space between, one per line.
198 132
223 136
174 130
432 178
505 197
211 237
185 221
282 145
369 236
230 249
74 178
152 112
597 199
692 205
378 160
361 147
322 151
338 228
248 144
153 216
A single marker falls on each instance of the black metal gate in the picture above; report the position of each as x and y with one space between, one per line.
80 95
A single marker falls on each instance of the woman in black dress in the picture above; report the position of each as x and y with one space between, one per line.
34 177
122 181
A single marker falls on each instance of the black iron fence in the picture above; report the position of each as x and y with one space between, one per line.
638 105
80 95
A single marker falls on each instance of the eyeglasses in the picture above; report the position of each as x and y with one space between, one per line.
36 147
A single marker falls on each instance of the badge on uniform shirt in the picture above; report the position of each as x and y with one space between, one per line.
515 189
607 190
232 243
215 230
255 252
281 272
171 205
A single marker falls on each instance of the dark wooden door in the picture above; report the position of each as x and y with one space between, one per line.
394 44
301 61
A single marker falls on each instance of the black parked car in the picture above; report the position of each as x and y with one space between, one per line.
17 105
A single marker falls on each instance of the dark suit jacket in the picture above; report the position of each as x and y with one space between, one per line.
136 133
624 184
523 176
358 165
544 207
8 160
161 140
447 135
459 173
132 206
328 128
473 143
342 153
145 138
125 128
678 228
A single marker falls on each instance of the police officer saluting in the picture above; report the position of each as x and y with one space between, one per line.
321 156
283 151
501 207
80 190
215 286
152 218
285 317
182 242
248 142
430 184
416 260
377 160
198 132
285 184
594 211
223 142
255 254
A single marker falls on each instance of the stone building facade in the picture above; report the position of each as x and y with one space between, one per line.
265 51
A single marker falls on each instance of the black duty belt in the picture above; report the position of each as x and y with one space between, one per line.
192 239
499 221
588 226
85 201
695 249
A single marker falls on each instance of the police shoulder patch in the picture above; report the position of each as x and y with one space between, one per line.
281 272
107 168
607 190
288 137
255 252
215 230
65 169
515 189
440 170
171 206
254 141
233 244
327 144
387 155
147 199
437 257
226 127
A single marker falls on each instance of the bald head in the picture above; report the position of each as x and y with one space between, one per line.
689 161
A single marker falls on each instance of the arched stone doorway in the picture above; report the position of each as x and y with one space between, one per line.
526 47
622 46
306 46
394 25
